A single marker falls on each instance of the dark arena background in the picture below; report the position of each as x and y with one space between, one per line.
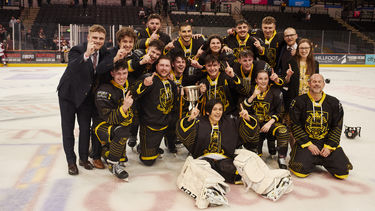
36 46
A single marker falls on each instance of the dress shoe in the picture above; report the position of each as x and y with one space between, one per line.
72 169
98 163
86 164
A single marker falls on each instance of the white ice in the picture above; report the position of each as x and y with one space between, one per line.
34 171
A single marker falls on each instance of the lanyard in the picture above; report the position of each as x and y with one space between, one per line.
186 51
242 44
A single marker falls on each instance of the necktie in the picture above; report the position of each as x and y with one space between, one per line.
289 48
95 59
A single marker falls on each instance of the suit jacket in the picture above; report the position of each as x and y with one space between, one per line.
79 79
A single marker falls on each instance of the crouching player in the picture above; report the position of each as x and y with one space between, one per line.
111 126
212 141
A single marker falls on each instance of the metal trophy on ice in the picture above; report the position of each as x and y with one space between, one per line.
191 94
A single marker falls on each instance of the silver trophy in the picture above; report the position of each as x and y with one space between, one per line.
191 94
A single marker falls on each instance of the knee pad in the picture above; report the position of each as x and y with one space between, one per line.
202 183
256 175
147 162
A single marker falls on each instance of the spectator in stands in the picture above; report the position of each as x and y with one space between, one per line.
3 33
142 14
42 40
18 29
109 44
12 21
308 16
282 6
29 40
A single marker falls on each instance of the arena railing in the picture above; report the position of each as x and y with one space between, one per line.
59 38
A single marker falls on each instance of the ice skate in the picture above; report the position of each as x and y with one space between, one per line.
116 169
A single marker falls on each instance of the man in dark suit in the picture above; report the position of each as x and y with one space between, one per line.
75 92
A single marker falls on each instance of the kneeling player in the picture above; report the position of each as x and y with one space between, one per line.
212 141
317 120
111 126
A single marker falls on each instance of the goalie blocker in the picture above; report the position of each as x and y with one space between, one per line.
207 187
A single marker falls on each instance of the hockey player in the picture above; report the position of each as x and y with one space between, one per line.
215 46
157 97
126 38
317 120
271 40
219 85
212 141
2 53
111 126
241 40
186 43
267 104
152 32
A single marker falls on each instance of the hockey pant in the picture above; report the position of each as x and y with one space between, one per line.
279 132
150 140
302 161
270 183
202 183
113 139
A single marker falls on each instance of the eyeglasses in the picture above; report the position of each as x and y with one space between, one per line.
289 35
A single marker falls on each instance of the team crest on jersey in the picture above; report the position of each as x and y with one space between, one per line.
165 100
317 124
218 94
261 110
215 143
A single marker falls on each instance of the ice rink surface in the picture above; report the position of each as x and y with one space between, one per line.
34 171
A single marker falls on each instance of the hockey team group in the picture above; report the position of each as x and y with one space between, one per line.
219 97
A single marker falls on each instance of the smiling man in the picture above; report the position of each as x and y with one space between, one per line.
152 32
186 43
242 40
221 86
76 97
157 100
113 101
317 120
270 39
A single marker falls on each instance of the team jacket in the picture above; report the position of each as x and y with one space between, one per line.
156 102
189 51
267 105
109 98
222 88
237 45
203 139
144 38
320 120
272 47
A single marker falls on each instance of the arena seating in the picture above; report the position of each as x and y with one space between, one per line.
204 20
366 27
64 14
6 15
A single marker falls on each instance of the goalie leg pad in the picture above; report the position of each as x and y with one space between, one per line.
256 175
202 183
